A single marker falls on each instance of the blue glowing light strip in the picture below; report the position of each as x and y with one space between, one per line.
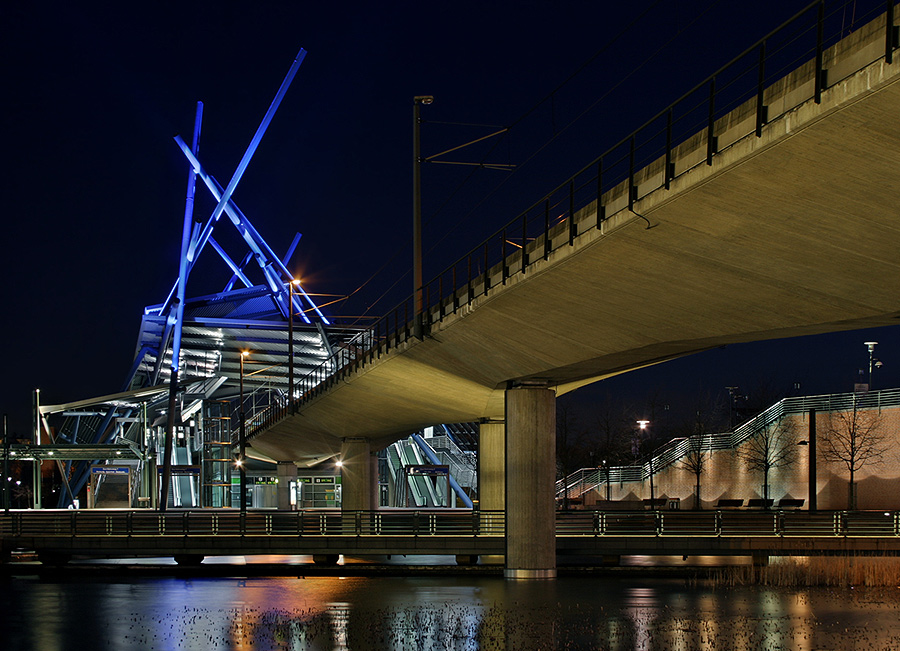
238 272
257 137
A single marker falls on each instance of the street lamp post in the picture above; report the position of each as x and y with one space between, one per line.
642 424
5 465
291 344
608 492
418 100
871 346
242 456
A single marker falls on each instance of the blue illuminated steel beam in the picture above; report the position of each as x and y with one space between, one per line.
223 197
230 284
291 249
238 272
257 137
178 308
266 256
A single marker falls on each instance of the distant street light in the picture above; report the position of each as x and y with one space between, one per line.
242 450
642 425
608 491
872 361
6 476
732 395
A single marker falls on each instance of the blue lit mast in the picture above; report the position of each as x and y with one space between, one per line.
178 309
194 239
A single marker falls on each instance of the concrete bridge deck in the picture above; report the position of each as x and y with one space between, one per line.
789 230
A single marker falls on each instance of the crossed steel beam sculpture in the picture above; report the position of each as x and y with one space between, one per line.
194 239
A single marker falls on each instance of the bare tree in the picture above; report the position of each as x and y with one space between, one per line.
771 447
695 461
709 415
853 438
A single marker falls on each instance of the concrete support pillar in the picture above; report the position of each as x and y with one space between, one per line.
358 479
530 483
492 465
287 482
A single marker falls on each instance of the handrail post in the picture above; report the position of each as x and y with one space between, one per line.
547 228
469 290
631 189
600 209
573 227
487 270
504 272
524 242
761 110
889 33
455 291
711 126
667 173
820 31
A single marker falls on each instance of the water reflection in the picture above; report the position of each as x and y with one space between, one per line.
438 613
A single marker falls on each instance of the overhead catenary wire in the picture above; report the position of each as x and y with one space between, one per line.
560 132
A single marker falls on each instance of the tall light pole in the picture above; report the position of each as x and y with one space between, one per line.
608 490
291 344
242 449
871 346
642 425
5 465
418 100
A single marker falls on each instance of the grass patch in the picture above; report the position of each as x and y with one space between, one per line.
808 571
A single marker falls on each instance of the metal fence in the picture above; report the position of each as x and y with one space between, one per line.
207 523
452 523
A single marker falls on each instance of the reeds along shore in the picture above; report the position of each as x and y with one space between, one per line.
833 571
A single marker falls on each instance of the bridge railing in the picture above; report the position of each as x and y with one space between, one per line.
789 66
450 523
207 523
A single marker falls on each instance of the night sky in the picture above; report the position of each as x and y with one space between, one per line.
93 189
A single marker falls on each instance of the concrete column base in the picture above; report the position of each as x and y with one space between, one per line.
530 483
529 574
358 481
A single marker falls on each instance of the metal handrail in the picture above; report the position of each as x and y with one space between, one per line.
317 523
677 449
227 522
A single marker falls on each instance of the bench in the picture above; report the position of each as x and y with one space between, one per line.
759 503
790 503
729 503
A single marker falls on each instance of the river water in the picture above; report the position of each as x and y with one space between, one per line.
112 611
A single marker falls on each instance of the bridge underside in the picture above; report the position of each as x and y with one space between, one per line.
792 233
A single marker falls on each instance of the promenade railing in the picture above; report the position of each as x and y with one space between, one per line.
449 523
